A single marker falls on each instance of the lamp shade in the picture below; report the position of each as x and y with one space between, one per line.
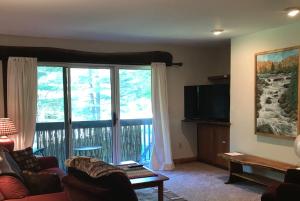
7 127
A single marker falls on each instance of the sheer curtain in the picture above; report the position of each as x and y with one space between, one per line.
1 92
161 158
22 98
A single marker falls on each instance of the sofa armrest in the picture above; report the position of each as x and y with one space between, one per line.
81 189
288 191
48 162
292 176
84 186
271 193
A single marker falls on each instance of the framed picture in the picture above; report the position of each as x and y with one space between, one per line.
276 94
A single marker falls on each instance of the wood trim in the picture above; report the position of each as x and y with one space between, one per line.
50 54
184 160
277 50
276 136
225 77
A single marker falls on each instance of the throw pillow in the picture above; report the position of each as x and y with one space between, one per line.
26 160
42 183
12 188
8 165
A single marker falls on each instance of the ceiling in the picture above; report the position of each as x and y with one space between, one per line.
141 20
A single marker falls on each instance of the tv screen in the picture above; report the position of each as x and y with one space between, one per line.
207 102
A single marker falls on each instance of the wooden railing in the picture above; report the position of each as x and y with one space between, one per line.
135 139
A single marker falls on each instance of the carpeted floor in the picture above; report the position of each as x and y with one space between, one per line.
150 194
202 182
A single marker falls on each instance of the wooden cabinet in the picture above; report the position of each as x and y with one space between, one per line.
213 138
205 141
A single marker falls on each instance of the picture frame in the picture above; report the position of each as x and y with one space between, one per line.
276 93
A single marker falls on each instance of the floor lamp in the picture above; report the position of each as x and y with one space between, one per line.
7 127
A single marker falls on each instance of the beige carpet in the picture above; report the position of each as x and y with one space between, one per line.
202 182
150 194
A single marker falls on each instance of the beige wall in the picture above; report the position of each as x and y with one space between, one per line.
199 62
242 92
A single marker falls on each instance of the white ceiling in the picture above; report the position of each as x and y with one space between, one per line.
141 20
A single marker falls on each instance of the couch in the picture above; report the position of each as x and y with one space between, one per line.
76 186
289 190
17 191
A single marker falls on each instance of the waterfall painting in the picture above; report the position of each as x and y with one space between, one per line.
276 95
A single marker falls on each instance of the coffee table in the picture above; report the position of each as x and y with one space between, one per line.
154 181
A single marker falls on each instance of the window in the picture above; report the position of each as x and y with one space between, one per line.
102 112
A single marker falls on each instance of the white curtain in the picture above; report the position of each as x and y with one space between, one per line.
22 98
1 92
161 158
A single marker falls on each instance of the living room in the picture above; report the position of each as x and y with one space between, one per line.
232 52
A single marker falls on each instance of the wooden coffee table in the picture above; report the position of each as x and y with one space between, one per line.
155 181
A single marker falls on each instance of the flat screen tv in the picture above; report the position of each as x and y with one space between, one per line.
207 102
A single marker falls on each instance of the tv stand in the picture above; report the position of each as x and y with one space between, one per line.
212 139
198 121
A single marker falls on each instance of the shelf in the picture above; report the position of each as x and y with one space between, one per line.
219 78
222 123
265 181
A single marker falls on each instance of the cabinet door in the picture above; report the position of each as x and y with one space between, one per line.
221 140
205 143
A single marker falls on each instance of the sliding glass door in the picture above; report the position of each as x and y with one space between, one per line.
51 136
97 112
91 111
135 114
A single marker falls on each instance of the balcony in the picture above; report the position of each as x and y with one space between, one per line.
135 139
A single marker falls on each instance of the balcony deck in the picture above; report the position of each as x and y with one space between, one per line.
135 139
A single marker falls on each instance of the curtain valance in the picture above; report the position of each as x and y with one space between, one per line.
50 54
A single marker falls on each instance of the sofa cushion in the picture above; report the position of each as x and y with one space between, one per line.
46 197
50 197
118 184
48 162
26 160
42 183
12 188
57 171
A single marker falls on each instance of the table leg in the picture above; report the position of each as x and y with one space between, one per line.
234 168
160 191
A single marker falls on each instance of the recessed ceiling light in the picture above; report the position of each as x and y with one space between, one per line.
292 12
217 32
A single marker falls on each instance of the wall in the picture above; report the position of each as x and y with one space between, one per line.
199 62
1 92
242 113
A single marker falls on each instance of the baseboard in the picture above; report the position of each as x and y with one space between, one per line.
184 160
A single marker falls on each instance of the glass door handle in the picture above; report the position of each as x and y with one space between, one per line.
114 118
